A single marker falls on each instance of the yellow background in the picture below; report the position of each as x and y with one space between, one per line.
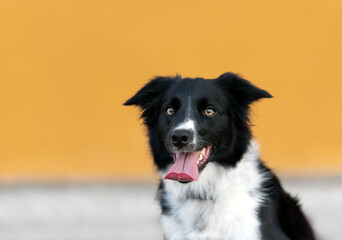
66 67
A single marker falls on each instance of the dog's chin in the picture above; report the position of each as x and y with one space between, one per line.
185 182
187 165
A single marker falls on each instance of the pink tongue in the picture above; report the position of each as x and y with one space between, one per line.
185 167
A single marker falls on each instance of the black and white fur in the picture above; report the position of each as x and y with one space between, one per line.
236 196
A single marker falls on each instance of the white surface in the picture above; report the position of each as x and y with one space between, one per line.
128 211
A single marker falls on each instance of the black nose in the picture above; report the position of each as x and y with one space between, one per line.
180 138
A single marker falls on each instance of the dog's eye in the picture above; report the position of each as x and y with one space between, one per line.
209 112
170 111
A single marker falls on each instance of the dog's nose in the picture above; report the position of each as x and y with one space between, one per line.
180 138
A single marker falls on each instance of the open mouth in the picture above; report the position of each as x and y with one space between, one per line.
186 165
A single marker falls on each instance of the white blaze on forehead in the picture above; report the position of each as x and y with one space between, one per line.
186 125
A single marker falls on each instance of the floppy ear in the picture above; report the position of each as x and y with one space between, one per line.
240 89
150 92
149 98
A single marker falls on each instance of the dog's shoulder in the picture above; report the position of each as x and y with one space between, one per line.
245 202
280 215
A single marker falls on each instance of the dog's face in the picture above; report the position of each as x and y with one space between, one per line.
194 121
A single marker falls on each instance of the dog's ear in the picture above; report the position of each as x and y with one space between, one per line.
150 92
150 96
240 89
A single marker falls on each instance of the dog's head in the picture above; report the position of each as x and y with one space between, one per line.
192 122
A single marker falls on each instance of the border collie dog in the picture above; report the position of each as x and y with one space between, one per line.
213 183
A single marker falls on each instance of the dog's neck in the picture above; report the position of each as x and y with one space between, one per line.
216 179
231 195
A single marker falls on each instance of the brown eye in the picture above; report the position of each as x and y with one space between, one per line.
170 111
209 112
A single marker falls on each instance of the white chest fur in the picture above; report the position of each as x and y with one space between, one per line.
230 209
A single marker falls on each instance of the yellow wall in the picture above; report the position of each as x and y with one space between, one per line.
66 67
